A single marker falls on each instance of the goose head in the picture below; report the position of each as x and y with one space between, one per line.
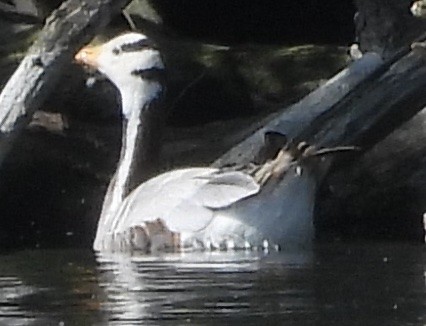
132 63
122 58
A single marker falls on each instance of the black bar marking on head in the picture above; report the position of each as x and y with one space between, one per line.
151 74
140 45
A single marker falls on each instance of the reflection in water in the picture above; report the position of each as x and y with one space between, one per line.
204 286
333 285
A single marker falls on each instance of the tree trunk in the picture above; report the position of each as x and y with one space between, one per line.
67 29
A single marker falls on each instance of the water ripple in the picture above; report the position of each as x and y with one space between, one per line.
377 285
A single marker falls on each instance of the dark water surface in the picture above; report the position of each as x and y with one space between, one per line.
339 284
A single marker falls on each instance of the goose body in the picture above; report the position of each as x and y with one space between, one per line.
266 206
204 208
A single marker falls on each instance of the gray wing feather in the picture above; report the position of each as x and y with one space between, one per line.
184 198
224 189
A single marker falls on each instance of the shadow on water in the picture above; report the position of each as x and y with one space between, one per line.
377 284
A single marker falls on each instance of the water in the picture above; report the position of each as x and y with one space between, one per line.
339 284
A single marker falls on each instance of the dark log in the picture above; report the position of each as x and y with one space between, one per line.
300 115
67 29
359 106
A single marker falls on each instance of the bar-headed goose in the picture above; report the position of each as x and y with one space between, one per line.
264 205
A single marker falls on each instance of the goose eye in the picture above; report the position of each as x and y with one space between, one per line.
116 51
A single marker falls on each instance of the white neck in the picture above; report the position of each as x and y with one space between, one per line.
136 101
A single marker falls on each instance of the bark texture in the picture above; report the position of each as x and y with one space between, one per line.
68 28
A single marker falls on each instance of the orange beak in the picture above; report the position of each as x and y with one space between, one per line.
88 56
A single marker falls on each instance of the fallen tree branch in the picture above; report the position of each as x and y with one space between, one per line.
359 106
74 23
298 117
